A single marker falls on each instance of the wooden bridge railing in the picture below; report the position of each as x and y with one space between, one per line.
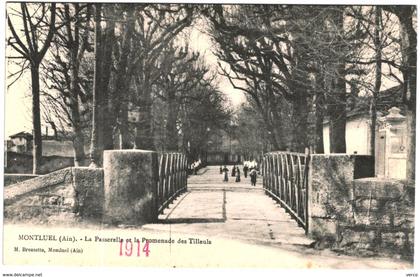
285 178
172 178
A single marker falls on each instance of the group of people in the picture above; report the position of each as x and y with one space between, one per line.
250 166
195 166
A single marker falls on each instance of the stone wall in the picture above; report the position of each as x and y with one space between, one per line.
383 219
362 216
64 196
62 148
16 178
128 190
22 163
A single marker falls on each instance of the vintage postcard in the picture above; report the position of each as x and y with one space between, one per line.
187 135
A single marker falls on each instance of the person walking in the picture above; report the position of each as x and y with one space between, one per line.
225 170
245 169
195 165
221 170
233 171
238 175
253 175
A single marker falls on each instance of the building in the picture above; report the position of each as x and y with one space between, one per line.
223 148
390 138
20 142
51 145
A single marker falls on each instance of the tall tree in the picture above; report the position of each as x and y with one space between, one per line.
319 93
408 46
32 46
378 77
268 56
204 112
250 128
107 44
96 144
181 72
64 69
124 56
158 25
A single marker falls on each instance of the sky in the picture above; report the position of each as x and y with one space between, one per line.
200 41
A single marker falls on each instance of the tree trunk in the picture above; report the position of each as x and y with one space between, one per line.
373 120
122 82
337 116
411 146
96 139
184 142
337 103
272 134
319 92
409 58
36 120
300 84
319 122
269 126
300 122
378 79
171 130
78 146
276 129
125 141
107 103
144 133
78 140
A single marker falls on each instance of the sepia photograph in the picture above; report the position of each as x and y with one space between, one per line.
209 135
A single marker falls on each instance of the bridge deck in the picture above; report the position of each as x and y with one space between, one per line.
233 210
250 222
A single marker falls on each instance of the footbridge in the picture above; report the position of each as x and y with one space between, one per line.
300 201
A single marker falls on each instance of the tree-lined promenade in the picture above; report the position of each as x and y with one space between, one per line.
122 76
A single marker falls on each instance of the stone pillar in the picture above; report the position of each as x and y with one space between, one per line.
130 186
366 215
330 190
391 149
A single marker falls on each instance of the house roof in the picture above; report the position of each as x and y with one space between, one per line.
387 99
22 135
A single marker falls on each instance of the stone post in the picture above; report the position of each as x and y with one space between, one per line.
329 193
130 186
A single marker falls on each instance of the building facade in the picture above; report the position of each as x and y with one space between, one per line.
390 141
